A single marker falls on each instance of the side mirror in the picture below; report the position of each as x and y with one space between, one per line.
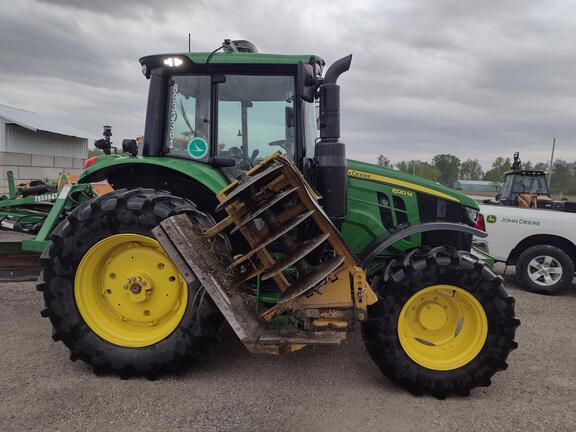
130 146
307 83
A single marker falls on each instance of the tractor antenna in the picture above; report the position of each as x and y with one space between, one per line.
189 46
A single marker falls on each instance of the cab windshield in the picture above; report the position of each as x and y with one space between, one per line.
255 117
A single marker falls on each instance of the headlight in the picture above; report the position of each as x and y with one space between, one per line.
173 61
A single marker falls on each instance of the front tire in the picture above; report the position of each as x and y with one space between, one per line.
113 296
444 323
545 269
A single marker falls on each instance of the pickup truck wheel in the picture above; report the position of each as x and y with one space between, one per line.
545 269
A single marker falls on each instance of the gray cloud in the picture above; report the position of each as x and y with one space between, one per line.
475 79
131 8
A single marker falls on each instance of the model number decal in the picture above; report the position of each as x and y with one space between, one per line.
402 183
402 192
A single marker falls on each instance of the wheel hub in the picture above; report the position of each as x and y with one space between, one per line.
545 270
129 292
432 316
139 288
442 327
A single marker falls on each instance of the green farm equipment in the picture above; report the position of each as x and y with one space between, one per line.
35 209
528 188
239 212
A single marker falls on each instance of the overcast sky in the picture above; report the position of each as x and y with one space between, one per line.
474 78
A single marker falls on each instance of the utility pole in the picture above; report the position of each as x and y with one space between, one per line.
551 161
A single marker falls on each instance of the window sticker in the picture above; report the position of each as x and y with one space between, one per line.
197 148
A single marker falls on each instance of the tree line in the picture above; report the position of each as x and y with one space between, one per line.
447 168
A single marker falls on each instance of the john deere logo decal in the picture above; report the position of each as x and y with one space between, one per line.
491 219
197 148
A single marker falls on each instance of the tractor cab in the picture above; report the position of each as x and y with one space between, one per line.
525 188
231 109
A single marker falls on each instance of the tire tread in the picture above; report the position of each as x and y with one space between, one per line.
137 211
406 275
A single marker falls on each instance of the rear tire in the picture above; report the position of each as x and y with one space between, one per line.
545 269
190 335
450 362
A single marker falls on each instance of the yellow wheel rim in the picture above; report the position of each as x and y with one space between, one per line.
442 327
129 292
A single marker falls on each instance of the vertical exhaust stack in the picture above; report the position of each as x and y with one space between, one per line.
330 153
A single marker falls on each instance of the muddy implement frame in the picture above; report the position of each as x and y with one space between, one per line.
35 215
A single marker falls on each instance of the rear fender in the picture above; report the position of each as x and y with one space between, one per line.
193 180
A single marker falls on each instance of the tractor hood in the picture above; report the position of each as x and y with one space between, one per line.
403 180
356 169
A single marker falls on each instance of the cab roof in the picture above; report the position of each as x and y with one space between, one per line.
231 58
534 173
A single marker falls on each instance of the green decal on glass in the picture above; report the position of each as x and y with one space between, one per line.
197 148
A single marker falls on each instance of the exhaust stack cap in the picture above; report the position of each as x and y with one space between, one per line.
337 68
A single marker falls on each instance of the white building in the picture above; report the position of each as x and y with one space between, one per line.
34 147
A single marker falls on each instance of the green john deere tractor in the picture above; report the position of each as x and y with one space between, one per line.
237 211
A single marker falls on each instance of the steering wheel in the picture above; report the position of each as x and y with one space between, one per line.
237 154
280 143
253 157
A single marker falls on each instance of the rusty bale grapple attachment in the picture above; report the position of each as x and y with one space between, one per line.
291 243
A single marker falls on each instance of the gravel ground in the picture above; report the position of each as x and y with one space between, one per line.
322 389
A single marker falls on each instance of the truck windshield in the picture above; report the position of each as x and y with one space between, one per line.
530 184
256 118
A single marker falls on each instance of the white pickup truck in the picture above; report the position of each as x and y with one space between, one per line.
540 243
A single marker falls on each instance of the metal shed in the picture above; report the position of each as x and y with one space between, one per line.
477 186
36 147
